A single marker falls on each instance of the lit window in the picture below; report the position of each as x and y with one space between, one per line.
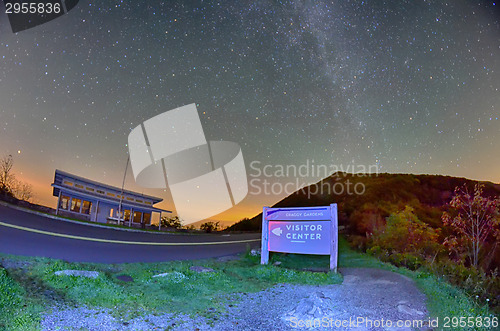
86 207
137 216
90 189
130 199
78 185
126 214
146 218
111 194
140 201
68 183
64 203
100 191
75 205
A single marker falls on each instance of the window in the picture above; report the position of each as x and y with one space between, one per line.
140 201
89 189
137 216
130 199
111 212
111 194
86 207
78 185
100 191
75 205
68 183
146 217
64 202
126 214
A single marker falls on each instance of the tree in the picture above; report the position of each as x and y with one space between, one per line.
9 185
474 220
22 191
405 233
7 178
210 227
171 222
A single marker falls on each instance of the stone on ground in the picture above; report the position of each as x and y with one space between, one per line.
201 269
78 273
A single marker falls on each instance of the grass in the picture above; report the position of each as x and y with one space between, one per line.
24 291
17 311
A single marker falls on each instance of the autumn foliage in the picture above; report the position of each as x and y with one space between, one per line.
406 240
475 221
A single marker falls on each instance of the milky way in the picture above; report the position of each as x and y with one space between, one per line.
408 86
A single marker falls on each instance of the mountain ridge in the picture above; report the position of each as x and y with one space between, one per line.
383 193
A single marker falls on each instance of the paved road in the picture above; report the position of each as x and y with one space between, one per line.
80 246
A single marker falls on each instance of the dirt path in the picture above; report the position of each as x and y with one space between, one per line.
368 299
367 296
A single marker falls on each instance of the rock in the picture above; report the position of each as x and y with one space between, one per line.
277 263
255 252
410 311
78 273
314 307
125 278
201 269
174 276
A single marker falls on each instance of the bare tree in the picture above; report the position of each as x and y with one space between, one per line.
7 178
9 185
476 219
22 191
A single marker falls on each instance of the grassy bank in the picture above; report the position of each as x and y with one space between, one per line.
17 310
30 285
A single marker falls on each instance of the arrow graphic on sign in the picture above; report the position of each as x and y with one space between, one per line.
277 231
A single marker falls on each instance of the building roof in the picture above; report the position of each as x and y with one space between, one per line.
58 184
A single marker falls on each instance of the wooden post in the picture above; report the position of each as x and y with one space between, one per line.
264 250
334 238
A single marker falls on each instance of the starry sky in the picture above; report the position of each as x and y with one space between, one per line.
408 86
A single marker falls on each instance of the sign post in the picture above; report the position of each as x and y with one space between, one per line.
301 230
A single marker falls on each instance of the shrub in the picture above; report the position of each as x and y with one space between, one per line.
404 233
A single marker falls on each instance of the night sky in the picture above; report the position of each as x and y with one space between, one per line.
409 86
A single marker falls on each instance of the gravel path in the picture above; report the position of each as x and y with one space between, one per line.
368 299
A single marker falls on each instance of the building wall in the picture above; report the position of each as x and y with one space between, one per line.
77 206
